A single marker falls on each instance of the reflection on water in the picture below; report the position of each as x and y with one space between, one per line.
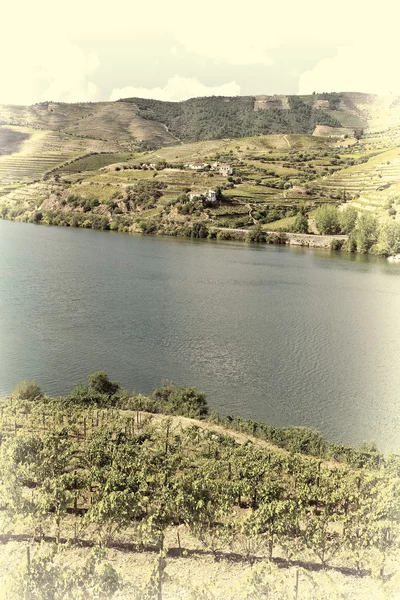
287 336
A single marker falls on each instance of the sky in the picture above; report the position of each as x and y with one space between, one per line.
174 49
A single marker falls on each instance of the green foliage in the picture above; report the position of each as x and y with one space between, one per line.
199 230
366 232
218 117
46 579
27 390
389 239
301 224
100 391
347 219
145 193
181 401
100 382
327 220
149 226
337 244
256 235
224 235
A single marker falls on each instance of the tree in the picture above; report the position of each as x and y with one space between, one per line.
100 383
28 390
366 232
389 239
256 235
347 219
185 401
300 224
327 220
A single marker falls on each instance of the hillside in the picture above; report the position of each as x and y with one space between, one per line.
123 166
120 495
136 120
219 117
274 183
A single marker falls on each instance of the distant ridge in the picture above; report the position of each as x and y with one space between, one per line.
156 123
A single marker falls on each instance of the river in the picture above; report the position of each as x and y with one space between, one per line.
289 336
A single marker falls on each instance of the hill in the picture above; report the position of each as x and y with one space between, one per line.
268 184
123 166
222 117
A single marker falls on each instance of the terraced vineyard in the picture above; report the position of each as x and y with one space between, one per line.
370 185
95 171
160 485
42 152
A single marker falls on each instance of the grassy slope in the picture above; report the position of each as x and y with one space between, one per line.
100 120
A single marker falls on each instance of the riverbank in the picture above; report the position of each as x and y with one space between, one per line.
288 238
227 233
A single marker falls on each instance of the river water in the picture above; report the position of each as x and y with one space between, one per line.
286 336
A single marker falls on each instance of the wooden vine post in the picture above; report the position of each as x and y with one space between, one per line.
296 589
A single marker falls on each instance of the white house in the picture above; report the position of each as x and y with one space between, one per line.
209 196
196 166
222 168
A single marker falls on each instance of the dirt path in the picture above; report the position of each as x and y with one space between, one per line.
250 215
287 141
241 438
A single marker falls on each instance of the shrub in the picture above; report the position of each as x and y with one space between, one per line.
389 239
337 244
184 401
100 391
256 235
223 235
327 220
301 224
149 226
347 219
366 232
100 382
28 390
199 230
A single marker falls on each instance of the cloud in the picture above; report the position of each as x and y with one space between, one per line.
177 88
368 64
46 67
48 57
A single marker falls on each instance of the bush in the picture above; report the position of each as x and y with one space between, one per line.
347 219
199 230
28 390
100 392
389 239
301 224
327 220
149 226
184 401
223 235
256 236
337 244
100 382
366 232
